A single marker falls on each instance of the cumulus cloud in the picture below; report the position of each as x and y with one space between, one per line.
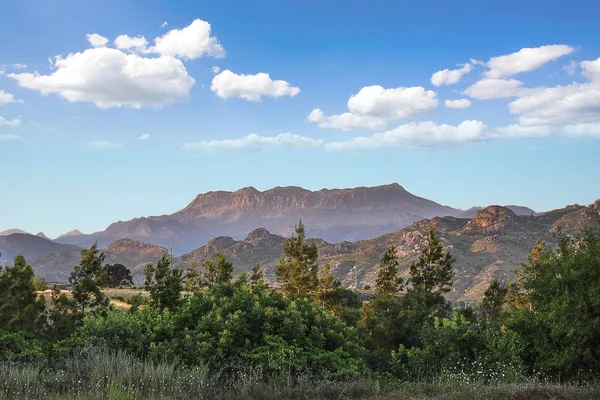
103 145
215 69
6 98
449 77
525 60
14 123
191 42
255 141
461 103
591 69
109 77
126 42
125 75
422 133
96 40
250 87
583 130
571 68
494 89
144 136
11 138
374 107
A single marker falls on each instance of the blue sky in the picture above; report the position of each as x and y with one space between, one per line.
317 95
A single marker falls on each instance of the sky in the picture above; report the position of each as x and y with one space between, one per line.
119 109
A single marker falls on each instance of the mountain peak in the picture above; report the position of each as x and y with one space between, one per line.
492 218
74 232
11 231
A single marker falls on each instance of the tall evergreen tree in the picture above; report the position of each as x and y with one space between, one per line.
388 283
434 270
493 300
88 278
193 278
164 284
297 271
20 306
330 293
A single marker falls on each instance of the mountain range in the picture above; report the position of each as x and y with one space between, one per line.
351 227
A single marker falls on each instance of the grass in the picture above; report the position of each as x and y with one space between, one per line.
97 374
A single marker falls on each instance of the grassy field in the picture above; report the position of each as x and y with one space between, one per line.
95 374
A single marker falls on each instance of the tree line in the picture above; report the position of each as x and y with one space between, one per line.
543 323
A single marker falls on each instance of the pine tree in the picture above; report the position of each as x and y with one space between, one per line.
493 300
330 293
87 279
193 278
217 270
20 306
164 283
388 283
433 271
256 276
297 270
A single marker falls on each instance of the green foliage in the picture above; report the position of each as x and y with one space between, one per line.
493 301
117 275
217 271
63 316
560 322
40 284
297 271
388 284
20 307
164 284
88 278
19 347
256 276
193 278
433 271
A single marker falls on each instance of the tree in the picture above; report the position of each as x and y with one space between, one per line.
388 283
193 278
164 284
297 270
20 306
87 278
555 307
433 271
256 276
330 293
493 300
217 270
117 275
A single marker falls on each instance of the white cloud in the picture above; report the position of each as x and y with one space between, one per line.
374 107
256 142
571 68
525 60
164 24
250 87
591 69
6 98
19 66
191 42
96 40
559 105
449 77
144 136
126 42
215 69
583 130
461 103
422 133
109 77
11 138
14 123
516 131
494 89
103 145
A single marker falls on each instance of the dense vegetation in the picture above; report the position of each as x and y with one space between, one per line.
202 331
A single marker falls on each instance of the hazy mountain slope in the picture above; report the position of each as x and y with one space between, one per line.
30 246
333 214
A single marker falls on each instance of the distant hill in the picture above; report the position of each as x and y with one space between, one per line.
332 214
489 245
30 246
11 231
519 210
57 266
